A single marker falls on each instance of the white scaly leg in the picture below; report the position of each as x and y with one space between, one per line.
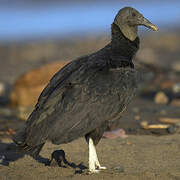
93 159
97 164
92 167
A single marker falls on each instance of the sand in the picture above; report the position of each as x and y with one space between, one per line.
136 157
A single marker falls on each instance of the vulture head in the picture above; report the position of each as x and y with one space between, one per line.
128 19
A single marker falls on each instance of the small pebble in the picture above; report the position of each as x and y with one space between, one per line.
2 159
11 131
172 129
129 143
166 84
161 98
115 134
176 88
137 118
119 169
144 124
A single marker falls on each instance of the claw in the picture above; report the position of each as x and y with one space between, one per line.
101 168
94 171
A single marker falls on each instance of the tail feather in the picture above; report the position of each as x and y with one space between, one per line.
20 137
20 141
32 151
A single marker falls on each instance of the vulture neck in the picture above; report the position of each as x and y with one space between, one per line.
122 46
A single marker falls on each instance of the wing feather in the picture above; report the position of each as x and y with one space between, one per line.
79 98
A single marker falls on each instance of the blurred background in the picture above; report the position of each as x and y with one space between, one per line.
25 25
29 20
34 33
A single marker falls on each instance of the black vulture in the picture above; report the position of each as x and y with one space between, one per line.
88 94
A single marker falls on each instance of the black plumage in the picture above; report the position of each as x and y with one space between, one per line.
89 93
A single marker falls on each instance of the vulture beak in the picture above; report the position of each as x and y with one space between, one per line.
148 24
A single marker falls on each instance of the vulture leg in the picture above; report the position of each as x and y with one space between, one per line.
94 165
93 139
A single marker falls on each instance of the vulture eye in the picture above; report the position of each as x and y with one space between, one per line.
133 14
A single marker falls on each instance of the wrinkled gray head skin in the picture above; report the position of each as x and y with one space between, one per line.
128 19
